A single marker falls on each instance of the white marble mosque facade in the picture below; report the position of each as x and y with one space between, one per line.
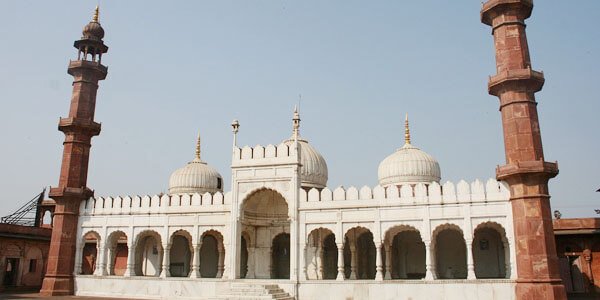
280 224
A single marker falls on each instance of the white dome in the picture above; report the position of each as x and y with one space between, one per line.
408 165
195 177
313 172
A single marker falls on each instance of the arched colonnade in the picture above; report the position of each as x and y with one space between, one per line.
404 255
150 254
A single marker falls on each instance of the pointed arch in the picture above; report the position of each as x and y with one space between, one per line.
89 255
117 241
148 253
180 254
404 253
450 252
359 253
321 254
212 254
491 251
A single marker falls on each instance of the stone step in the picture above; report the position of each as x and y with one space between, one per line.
255 291
252 297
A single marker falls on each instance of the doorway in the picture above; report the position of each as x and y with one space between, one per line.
11 272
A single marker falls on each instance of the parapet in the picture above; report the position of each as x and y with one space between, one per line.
433 193
259 155
157 204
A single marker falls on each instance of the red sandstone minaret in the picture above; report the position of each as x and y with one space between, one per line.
79 128
525 171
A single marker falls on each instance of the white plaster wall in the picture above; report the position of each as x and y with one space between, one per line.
409 290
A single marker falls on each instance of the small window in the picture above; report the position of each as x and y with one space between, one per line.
32 265
219 182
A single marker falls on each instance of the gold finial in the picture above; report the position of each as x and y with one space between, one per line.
198 148
296 122
96 14
406 131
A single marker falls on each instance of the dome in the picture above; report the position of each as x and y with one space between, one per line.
313 172
195 177
93 30
408 165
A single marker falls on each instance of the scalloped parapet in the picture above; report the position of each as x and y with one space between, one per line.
260 155
157 204
433 193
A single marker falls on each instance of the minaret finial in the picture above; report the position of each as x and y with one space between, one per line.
198 147
406 131
96 14
296 122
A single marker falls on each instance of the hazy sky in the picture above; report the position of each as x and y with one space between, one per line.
179 67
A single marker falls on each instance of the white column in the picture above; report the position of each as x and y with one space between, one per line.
319 259
78 258
378 263
353 262
130 271
303 260
101 262
507 268
195 271
221 262
109 260
388 262
429 267
250 264
166 262
470 265
340 262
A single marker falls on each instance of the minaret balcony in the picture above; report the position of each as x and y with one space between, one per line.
76 66
494 8
532 80
78 125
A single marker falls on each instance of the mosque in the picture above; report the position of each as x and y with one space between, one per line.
281 233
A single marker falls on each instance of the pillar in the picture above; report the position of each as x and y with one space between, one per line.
110 252
526 171
101 262
221 263
166 261
195 271
340 262
319 258
130 270
378 263
470 264
388 262
250 273
353 262
507 268
78 258
429 268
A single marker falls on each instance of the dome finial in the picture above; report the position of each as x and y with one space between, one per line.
406 131
198 147
96 14
296 122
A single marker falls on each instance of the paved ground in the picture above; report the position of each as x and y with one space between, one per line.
21 295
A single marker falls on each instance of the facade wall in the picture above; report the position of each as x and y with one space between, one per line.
305 236
23 255
578 249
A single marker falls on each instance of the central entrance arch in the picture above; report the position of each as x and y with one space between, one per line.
265 227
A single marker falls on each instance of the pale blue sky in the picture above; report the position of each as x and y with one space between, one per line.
176 68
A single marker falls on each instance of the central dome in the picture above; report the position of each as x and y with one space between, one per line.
196 177
408 165
313 172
